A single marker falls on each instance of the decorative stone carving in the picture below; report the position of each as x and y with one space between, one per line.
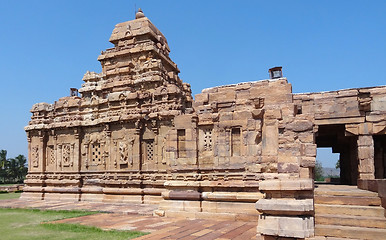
67 152
135 132
35 156
51 155
123 152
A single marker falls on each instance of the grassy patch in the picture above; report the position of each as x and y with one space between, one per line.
19 224
11 195
88 232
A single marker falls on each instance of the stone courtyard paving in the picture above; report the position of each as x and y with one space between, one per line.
139 217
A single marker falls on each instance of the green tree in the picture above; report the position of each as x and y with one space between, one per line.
337 165
318 170
3 158
3 163
22 169
12 170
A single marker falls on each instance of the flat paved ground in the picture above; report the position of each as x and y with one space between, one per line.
139 217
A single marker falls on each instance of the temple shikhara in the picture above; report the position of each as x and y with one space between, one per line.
134 133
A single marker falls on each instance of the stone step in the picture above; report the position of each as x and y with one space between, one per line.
348 200
370 211
343 190
354 221
350 232
330 238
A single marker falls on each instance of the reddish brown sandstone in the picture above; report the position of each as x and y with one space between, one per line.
136 135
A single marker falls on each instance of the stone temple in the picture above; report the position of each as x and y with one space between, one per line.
242 152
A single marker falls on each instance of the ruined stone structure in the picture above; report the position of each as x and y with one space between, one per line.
136 135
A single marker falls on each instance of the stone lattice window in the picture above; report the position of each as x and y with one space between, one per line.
66 154
181 148
51 154
207 138
150 149
96 152
236 142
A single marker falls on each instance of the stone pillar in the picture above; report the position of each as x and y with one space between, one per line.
366 157
59 159
108 149
77 153
284 214
29 152
42 151
55 137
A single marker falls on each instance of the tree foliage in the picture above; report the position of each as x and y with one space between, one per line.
318 171
12 170
337 165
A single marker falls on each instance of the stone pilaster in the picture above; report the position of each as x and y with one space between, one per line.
284 212
366 157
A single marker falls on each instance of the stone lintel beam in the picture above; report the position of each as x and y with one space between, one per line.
232 196
287 185
62 189
339 120
33 189
212 184
121 191
285 206
182 184
182 195
62 181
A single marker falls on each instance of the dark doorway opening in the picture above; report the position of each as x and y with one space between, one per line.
333 136
380 156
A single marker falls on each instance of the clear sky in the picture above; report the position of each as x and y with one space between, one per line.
47 46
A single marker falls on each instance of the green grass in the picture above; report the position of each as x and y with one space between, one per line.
19 224
11 195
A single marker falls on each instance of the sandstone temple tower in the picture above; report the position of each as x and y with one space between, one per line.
243 152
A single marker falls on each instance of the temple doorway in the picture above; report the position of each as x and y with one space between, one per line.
334 137
327 167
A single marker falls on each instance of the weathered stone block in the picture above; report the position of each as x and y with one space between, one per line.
308 150
366 166
306 137
284 157
300 126
273 114
286 185
295 227
285 206
365 141
232 196
365 128
202 97
305 172
270 139
183 121
365 153
307 162
287 167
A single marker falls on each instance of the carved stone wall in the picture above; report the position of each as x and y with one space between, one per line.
136 135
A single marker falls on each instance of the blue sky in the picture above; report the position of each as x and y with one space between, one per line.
47 46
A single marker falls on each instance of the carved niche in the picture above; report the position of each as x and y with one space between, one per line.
148 144
35 156
123 149
94 150
67 155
